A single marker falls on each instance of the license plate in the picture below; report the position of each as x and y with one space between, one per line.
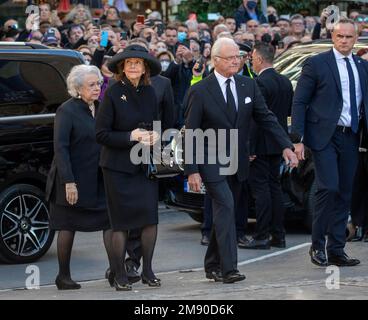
188 190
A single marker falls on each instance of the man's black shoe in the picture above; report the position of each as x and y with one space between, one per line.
205 241
255 244
342 260
214 275
318 257
243 240
278 242
359 234
233 277
132 273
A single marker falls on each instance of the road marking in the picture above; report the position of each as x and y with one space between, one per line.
242 263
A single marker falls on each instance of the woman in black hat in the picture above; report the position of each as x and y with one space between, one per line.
132 198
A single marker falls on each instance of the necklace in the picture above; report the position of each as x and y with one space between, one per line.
92 108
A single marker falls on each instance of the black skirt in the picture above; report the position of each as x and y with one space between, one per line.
132 200
79 219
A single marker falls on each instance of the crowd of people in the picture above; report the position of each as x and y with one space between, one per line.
172 64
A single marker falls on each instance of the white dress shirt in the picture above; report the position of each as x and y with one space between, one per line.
345 117
222 82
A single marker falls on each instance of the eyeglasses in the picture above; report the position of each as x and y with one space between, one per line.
94 84
361 19
229 59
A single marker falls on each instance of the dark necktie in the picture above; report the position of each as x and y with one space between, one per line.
353 104
230 101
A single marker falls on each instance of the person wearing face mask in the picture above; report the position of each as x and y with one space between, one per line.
248 11
165 58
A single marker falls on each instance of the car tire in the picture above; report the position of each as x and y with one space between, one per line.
25 235
310 206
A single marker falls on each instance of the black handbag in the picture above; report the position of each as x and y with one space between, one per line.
168 159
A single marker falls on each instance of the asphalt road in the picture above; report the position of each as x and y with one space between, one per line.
177 248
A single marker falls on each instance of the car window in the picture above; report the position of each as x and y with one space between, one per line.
29 88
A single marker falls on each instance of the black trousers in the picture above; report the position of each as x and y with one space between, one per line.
359 201
264 180
241 212
222 249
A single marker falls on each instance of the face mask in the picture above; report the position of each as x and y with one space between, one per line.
87 62
164 65
182 36
149 38
251 5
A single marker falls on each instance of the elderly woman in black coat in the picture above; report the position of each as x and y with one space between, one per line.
75 186
128 106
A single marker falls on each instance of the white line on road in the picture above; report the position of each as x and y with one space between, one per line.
242 263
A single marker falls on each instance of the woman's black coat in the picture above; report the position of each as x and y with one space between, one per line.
77 154
122 110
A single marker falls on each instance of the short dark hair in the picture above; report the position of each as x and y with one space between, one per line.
266 51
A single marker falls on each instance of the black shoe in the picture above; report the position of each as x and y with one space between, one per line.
122 286
153 282
358 236
342 260
242 239
66 284
255 244
132 273
205 241
214 275
278 242
365 237
110 276
318 257
233 277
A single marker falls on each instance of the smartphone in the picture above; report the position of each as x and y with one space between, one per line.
160 29
140 19
200 65
104 38
123 35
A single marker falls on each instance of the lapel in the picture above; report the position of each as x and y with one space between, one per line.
214 88
242 94
331 61
362 76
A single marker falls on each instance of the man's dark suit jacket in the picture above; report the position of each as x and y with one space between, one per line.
167 111
318 100
207 109
277 91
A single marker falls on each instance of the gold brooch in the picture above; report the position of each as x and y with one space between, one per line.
123 97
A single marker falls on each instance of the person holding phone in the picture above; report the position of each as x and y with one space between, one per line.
132 198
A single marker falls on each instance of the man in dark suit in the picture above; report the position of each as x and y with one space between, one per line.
329 106
264 172
223 103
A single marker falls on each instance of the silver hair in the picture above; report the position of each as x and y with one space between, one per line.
220 26
219 43
72 14
76 78
345 20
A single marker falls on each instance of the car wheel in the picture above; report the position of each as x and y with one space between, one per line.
310 206
196 216
24 224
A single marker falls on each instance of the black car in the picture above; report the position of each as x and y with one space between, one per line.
298 185
32 86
